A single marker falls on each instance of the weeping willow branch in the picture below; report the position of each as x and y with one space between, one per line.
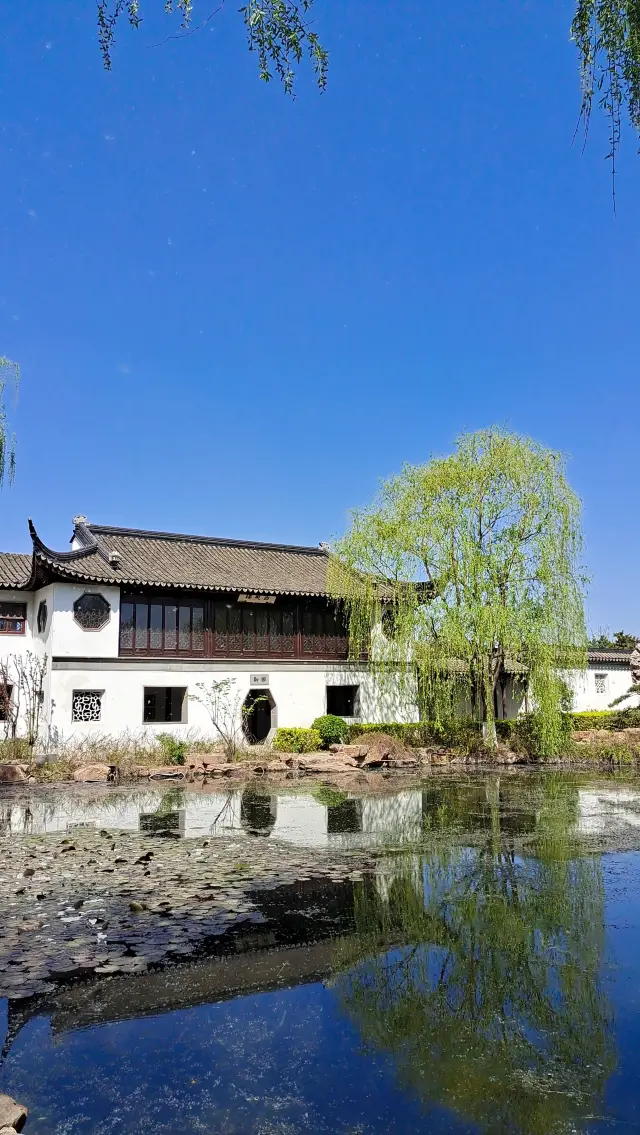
465 572
279 31
607 36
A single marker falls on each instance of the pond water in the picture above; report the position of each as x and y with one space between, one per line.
483 976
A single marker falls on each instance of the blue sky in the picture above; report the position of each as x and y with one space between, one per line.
236 312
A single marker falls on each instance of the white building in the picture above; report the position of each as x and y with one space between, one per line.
127 623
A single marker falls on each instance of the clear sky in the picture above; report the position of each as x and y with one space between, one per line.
236 312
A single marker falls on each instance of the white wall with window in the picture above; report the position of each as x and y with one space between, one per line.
148 698
597 687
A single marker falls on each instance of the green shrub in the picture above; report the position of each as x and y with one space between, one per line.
297 740
409 734
627 718
594 719
462 733
173 751
332 729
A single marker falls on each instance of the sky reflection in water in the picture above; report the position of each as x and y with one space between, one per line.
467 990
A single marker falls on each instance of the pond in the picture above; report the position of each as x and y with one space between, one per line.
468 962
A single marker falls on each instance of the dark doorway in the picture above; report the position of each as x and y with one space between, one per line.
256 716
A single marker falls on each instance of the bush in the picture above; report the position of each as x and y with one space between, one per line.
297 740
173 751
418 734
594 719
332 729
412 734
626 718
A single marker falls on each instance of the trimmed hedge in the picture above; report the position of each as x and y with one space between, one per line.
607 719
461 734
297 740
332 729
594 719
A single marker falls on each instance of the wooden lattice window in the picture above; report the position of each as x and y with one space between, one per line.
13 618
162 627
91 612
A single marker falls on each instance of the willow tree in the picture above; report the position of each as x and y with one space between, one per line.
8 379
468 570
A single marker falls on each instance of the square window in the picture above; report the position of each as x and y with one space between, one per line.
13 618
86 705
343 700
165 703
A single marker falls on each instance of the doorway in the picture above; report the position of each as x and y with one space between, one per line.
257 709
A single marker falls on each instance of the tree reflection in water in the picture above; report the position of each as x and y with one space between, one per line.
481 971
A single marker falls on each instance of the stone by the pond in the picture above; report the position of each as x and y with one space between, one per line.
12 1114
329 763
355 751
90 774
12 774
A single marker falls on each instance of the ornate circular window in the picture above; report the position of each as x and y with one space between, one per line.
91 612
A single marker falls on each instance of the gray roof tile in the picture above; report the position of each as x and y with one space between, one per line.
169 560
15 569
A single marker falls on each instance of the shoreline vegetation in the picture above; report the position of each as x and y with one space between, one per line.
603 738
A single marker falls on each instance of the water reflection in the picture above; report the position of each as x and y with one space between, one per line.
455 988
323 816
491 1000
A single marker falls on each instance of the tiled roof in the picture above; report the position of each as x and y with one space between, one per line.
15 569
602 656
162 559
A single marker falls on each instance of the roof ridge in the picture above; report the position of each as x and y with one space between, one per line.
220 541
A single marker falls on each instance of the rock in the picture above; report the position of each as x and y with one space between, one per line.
326 764
355 751
12 1114
12 774
504 756
90 774
167 772
138 907
407 761
382 748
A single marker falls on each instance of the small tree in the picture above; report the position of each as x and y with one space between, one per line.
22 694
9 698
32 669
223 705
471 563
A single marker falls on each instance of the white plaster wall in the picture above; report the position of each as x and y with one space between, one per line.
583 686
299 695
69 640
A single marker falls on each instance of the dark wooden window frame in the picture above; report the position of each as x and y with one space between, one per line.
11 613
168 697
286 629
